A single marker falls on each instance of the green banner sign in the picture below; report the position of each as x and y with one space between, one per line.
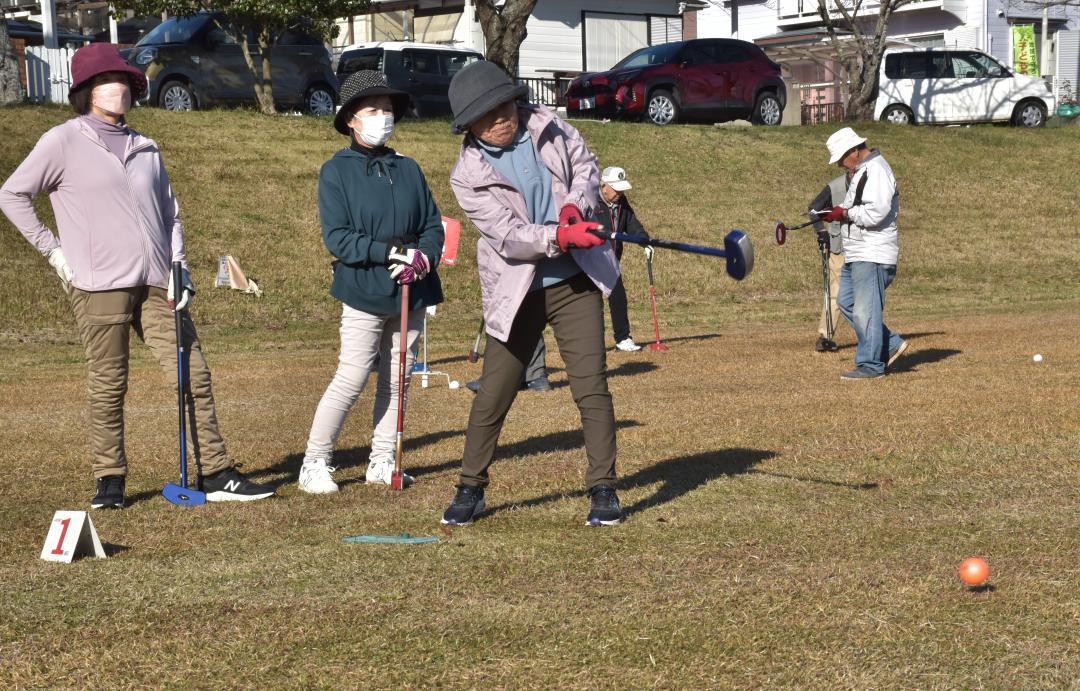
1025 59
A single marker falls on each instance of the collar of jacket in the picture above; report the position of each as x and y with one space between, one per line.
534 118
374 159
138 142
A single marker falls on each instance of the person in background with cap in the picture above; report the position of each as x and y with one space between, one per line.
382 225
830 241
619 217
871 247
527 181
120 231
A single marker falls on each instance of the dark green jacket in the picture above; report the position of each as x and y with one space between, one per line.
368 204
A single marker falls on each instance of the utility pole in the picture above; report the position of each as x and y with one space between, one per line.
48 23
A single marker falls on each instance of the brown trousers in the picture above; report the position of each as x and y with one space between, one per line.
105 319
575 310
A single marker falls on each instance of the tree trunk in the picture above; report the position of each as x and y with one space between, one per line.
264 86
504 31
11 90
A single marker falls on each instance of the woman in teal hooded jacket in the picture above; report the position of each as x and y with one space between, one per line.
382 225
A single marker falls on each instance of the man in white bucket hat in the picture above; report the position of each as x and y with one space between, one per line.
871 248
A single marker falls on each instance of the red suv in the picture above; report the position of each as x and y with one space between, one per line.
702 79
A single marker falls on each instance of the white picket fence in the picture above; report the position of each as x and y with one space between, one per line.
48 74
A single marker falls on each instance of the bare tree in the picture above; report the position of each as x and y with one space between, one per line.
860 53
504 30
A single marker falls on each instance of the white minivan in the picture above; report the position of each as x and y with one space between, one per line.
940 85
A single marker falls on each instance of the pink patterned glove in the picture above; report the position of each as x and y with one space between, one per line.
408 266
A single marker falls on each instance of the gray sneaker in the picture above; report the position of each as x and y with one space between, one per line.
862 373
895 355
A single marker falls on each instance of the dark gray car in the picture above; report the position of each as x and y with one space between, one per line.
191 62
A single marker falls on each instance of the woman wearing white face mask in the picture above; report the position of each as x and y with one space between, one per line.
119 232
383 228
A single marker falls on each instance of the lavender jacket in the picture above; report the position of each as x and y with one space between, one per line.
509 244
119 223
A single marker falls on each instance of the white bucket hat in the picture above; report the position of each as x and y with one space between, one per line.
615 178
842 141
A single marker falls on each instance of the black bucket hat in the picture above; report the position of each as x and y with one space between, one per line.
360 85
478 88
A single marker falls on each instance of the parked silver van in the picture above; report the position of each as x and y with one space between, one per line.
940 86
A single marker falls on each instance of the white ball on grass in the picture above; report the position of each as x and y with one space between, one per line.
455 384
1037 357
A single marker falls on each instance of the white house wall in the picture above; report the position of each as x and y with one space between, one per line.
555 30
756 19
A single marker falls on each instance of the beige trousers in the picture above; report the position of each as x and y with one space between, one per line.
836 264
105 319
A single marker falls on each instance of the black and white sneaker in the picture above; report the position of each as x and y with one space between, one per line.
466 506
230 485
110 493
605 507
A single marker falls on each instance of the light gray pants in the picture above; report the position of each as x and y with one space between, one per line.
367 341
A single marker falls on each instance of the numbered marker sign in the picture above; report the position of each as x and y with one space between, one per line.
71 535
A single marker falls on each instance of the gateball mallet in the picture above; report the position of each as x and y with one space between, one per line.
782 228
474 354
738 251
656 346
180 494
397 479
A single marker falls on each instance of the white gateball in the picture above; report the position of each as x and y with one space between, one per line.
1037 357
455 384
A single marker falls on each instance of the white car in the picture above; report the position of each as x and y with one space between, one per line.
939 85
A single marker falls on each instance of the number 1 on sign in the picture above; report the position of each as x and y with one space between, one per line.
59 549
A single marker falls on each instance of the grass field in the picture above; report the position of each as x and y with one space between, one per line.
786 529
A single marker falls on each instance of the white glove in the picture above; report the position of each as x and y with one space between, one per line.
648 252
59 263
185 299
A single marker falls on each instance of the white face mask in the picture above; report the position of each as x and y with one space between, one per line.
374 130
114 98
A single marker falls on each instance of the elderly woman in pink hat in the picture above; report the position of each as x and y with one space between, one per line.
119 231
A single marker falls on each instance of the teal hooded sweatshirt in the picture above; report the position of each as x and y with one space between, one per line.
368 203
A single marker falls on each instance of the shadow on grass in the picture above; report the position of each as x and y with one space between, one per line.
678 477
112 550
626 369
907 337
289 467
817 481
910 362
556 441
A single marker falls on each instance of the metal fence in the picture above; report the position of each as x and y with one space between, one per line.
48 74
547 91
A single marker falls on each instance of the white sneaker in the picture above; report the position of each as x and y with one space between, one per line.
380 472
315 476
627 345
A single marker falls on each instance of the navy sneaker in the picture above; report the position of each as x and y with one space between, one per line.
466 506
110 493
605 507
230 485
862 373
473 385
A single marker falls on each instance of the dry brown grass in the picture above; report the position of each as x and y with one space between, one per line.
786 528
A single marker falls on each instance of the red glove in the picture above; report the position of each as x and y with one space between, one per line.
570 215
577 236
837 213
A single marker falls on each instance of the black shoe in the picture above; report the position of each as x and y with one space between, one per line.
230 485
540 384
473 385
467 504
605 507
110 493
824 345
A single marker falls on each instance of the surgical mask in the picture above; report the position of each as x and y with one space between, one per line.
114 98
375 130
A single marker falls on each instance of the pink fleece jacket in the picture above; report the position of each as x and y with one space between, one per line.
119 223
509 245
